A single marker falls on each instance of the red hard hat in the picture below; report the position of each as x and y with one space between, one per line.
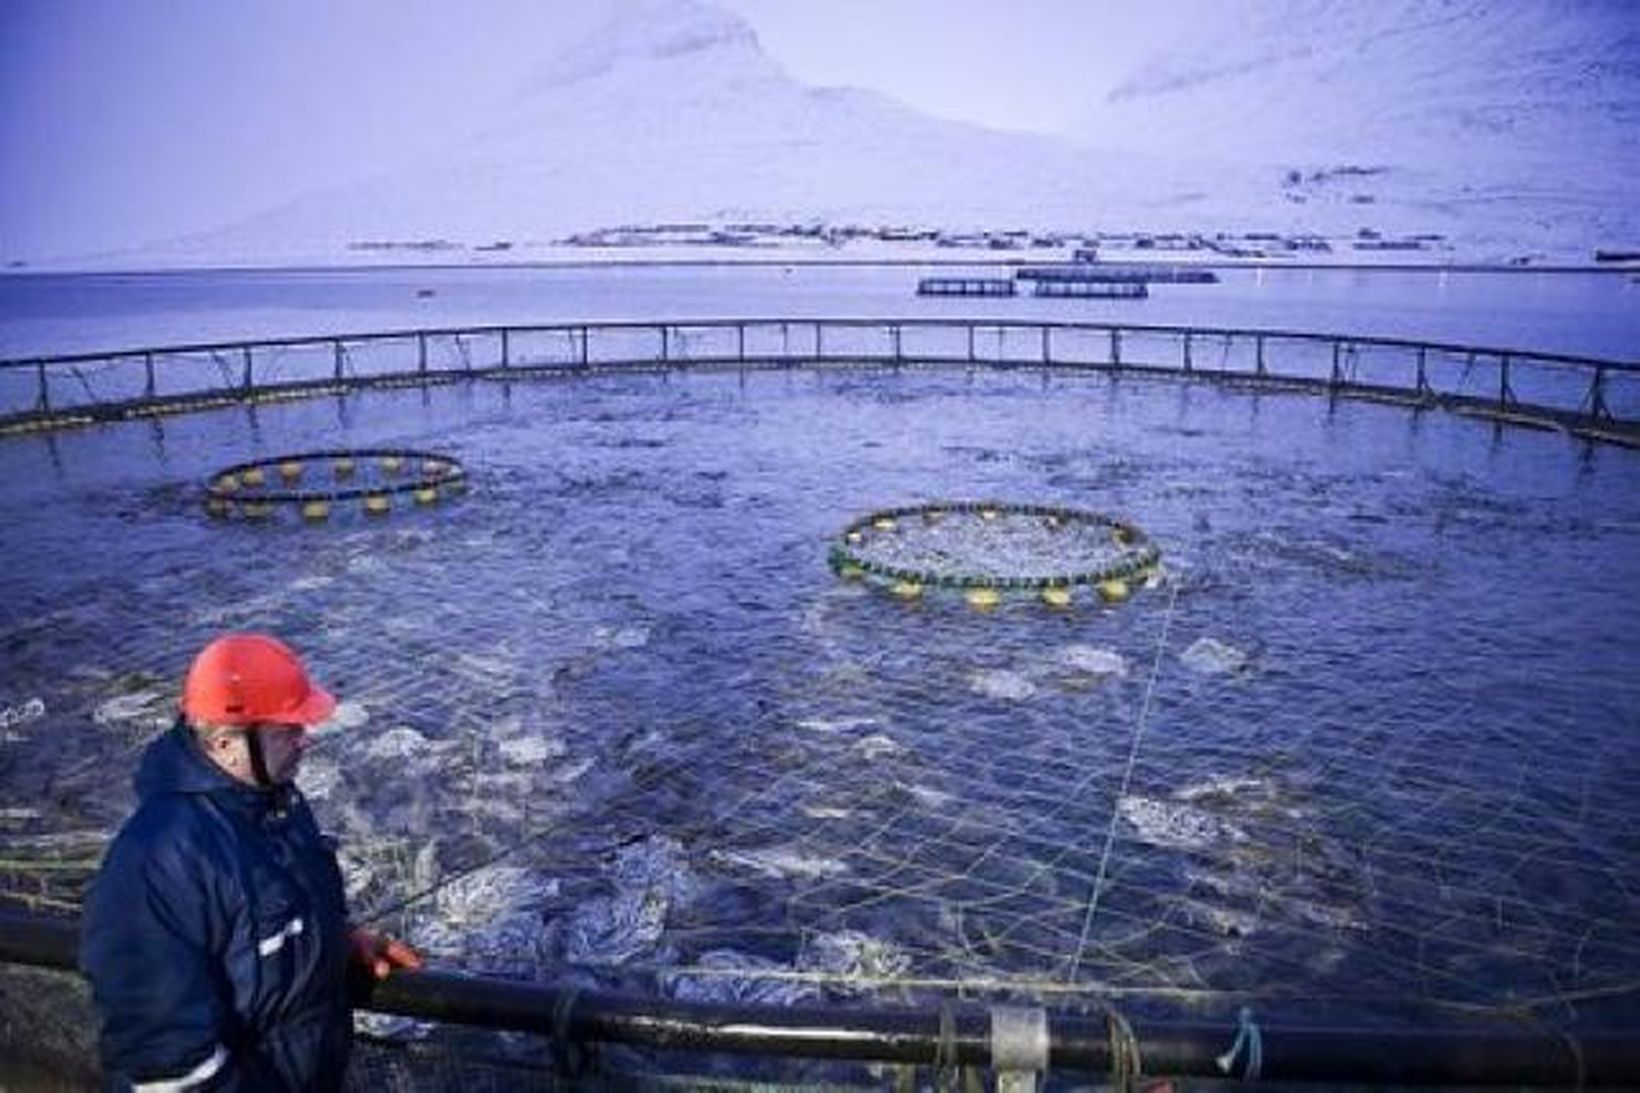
246 679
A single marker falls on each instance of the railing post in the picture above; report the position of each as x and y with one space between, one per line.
421 352
1423 371
149 387
894 332
971 357
586 356
1116 346
1506 394
506 348
740 342
44 402
340 356
819 351
1258 355
1337 375
1047 347
666 344
1597 396
1187 363
248 379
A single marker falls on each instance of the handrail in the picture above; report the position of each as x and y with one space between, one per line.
966 1035
568 326
63 394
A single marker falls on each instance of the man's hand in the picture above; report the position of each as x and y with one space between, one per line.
379 955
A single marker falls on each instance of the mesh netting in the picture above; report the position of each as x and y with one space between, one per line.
311 484
988 546
577 743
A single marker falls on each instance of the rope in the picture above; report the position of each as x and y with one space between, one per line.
1126 1064
566 1055
1127 777
945 1055
1575 1049
1249 1037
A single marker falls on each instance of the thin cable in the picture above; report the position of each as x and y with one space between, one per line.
1127 776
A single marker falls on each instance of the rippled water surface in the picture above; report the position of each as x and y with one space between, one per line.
1372 736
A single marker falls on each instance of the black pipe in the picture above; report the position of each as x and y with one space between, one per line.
1428 1056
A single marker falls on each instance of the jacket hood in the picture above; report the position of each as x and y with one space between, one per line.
173 763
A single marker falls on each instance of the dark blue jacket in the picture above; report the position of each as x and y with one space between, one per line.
215 935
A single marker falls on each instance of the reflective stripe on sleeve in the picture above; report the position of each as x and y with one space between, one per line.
276 941
198 1076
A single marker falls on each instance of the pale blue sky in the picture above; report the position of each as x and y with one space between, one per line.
122 121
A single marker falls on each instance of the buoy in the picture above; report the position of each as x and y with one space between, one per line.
290 470
850 572
854 537
377 503
1113 591
253 476
316 510
983 599
227 483
883 523
1056 596
988 514
426 495
216 506
392 464
343 467
907 590
435 468
258 510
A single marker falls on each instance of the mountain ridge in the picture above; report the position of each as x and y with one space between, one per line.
671 111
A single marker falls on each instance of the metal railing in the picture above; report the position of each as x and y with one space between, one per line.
1011 1040
1592 398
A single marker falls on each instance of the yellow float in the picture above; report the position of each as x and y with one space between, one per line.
1113 591
983 599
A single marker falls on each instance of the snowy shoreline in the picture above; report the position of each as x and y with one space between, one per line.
706 256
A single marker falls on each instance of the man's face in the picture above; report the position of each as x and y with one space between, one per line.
282 748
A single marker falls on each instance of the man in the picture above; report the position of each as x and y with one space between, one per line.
215 935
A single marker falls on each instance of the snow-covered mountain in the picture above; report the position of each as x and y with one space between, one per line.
1521 115
672 112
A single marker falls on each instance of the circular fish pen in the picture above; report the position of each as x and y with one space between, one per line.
989 549
260 489
620 727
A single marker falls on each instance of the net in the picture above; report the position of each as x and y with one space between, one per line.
993 547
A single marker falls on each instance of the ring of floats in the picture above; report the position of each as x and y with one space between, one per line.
258 489
1136 560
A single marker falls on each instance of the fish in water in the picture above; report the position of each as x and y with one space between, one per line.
1171 824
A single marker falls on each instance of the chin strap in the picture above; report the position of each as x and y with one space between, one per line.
259 762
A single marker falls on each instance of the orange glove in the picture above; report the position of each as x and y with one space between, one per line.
379 955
